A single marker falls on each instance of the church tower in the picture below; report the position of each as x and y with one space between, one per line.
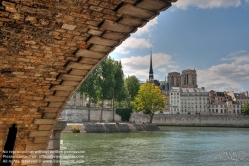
151 76
189 79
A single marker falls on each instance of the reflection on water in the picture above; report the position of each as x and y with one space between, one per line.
172 146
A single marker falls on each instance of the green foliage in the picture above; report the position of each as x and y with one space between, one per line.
125 113
106 82
149 99
75 129
132 84
245 109
89 87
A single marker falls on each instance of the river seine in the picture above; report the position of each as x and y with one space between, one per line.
171 146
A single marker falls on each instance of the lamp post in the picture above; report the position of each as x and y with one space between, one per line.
88 106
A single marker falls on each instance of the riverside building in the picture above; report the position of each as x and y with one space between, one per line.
223 103
188 101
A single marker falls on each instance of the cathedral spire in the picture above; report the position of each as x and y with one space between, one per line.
151 77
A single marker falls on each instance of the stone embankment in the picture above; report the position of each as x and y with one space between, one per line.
111 127
239 121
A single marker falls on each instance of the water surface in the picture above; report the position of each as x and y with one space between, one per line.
172 146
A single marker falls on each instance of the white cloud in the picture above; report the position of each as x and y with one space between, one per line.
162 70
184 4
139 65
133 42
147 28
227 76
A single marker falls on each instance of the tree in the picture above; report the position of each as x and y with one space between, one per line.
118 89
132 85
104 83
149 99
107 82
245 109
89 88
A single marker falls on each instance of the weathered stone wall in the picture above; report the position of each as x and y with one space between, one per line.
48 47
111 127
195 120
81 115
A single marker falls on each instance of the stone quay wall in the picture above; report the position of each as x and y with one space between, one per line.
111 127
80 114
194 120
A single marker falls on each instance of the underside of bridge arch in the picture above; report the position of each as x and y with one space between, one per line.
48 47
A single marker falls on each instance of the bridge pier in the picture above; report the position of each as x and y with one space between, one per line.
54 142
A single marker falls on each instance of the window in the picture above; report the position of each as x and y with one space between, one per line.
216 110
221 111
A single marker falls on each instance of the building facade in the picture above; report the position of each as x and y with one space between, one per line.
81 100
223 103
174 100
194 101
188 101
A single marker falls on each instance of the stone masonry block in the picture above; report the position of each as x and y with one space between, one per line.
80 66
136 12
39 133
68 27
114 35
102 41
89 60
48 109
79 72
70 77
55 104
89 54
49 115
37 146
44 121
63 87
55 98
113 26
132 21
62 93
100 48
45 127
41 139
153 5
71 83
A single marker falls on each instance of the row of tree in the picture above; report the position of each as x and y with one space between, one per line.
107 82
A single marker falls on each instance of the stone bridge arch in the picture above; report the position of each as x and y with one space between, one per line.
48 47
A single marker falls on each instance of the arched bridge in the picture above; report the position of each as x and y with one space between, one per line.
48 47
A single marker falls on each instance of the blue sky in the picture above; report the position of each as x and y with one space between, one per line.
211 36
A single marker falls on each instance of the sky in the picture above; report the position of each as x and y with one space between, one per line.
210 36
